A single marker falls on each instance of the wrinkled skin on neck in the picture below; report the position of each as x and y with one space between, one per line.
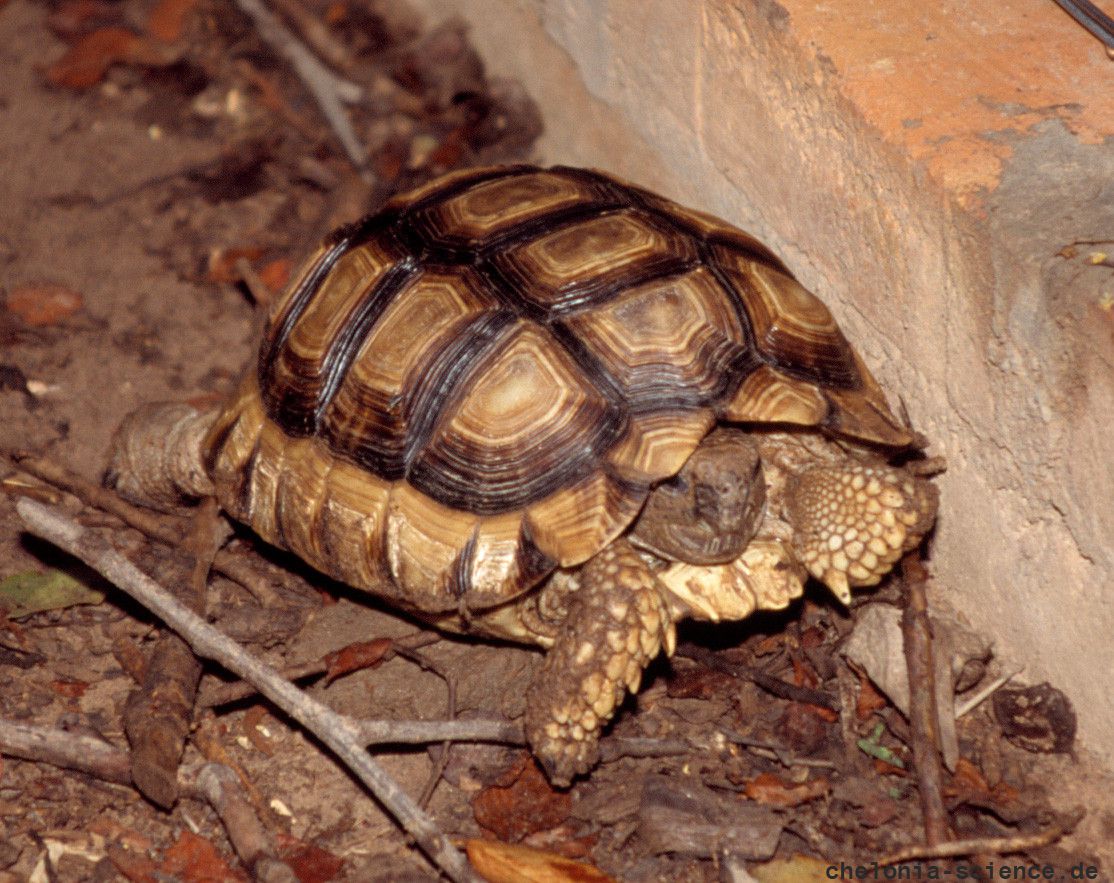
710 510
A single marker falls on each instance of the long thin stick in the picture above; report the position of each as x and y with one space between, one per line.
327 88
340 733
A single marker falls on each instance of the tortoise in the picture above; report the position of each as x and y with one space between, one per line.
548 406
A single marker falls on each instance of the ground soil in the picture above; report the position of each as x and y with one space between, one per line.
129 193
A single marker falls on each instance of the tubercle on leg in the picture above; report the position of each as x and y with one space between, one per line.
156 457
618 622
852 521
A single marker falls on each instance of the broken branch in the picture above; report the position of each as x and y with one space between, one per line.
340 733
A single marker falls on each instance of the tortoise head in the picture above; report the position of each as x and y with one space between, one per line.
709 511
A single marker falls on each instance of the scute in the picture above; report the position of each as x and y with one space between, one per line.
485 380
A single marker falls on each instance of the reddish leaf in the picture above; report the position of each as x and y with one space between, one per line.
89 59
44 304
503 863
336 12
134 866
276 274
354 657
194 859
310 863
700 683
520 803
870 700
772 790
69 689
167 21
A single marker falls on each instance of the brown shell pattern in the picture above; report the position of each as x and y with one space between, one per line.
484 380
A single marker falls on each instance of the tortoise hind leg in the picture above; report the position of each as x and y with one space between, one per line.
617 623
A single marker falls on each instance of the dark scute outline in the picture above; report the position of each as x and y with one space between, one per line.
460 574
340 353
533 564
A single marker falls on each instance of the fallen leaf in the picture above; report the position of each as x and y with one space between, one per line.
167 21
276 274
71 17
506 863
772 790
69 689
194 859
22 594
309 862
354 657
798 869
136 867
520 803
870 700
700 683
88 60
44 304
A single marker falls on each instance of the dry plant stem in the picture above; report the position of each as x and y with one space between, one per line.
71 751
221 787
769 683
338 732
166 529
315 33
917 632
981 846
328 90
415 732
234 692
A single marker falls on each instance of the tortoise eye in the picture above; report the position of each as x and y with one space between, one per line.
678 484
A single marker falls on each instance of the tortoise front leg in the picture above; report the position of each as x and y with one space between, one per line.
617 623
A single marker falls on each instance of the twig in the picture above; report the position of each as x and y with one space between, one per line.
924 736
221 788
222 694
337 731
328 90
71 751
314 32
770 684
973 701
450 713
981 846
414 732
168 529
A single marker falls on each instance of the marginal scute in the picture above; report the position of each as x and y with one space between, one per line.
576 522
428 547
769 396
303 485
865 414
656 445
353 526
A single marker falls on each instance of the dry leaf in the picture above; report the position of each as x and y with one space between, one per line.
194 859
29 591
68 688
521 803
354 657
44 304
772 790
799 869
167 21
870 700
251 724
89 59
310 863
505 863
276 274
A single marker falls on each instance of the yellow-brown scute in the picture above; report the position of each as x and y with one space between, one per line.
852 521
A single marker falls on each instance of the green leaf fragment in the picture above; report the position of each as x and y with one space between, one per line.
22 594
